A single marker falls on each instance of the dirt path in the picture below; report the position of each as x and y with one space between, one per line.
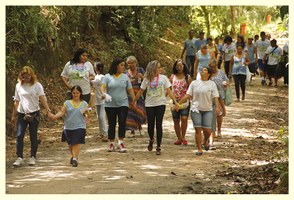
248 144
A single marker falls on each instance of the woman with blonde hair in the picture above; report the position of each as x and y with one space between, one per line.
26 112
157 86
136 115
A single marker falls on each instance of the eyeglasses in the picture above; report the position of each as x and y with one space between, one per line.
27 77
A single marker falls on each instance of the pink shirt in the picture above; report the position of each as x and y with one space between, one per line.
179 87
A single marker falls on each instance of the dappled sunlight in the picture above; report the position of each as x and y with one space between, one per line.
150 167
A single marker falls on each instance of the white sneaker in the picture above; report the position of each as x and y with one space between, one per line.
122 148
19 161
32 161
111 147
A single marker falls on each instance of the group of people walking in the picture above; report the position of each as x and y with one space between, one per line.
134 96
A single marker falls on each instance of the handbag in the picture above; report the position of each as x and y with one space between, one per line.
228 96
248 74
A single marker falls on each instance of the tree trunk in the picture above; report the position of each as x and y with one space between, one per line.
233 31
207 19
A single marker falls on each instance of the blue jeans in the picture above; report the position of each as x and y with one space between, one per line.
20 133
190 63
101 116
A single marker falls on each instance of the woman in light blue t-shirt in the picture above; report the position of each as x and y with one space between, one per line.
117 85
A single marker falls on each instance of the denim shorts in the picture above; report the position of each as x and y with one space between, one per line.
183 112
203 119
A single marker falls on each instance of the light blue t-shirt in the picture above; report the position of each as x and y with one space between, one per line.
117 88
74 117
203 60
239 67
190 47
251 53
199 42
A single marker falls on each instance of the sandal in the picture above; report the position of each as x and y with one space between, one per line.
150 146
178 142
198 153
185 142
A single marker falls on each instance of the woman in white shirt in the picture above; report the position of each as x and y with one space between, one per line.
28 93
157 86
79 71
202 92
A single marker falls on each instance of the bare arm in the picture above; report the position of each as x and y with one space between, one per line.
185 98
13 116
195 67
66 82
139 93
131 93
57 115
43 100
182 54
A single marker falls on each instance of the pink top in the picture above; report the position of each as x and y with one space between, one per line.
179 87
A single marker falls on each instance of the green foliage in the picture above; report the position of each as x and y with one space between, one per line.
283 136
218 20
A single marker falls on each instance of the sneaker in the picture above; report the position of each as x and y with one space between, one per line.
19 161
70 161
122 148
158 151
111 147
32 161
74 163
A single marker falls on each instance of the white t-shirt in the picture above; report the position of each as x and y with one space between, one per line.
262 47
97 82
155 95
229 51
202 93
274 55
79 75
28 97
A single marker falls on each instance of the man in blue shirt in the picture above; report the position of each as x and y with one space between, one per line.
200 41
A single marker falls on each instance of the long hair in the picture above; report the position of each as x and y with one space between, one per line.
151 70
185 69
26 70
78 88
77 56
114 64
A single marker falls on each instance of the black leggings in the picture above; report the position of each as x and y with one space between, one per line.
112 114
155 113
239 81
227 67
